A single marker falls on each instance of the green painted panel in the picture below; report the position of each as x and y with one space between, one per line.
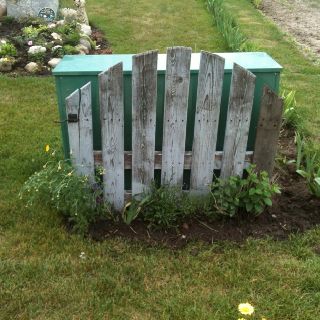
75 71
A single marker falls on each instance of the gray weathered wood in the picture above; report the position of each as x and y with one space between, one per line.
79 109
238 121
175 114
112 130
217 159
206 120
268 131
144 103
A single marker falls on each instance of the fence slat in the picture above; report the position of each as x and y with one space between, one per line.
206 120
144 103
112 130
238 121
175 114
79 112
268 130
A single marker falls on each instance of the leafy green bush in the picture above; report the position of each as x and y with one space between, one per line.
37 57
57 186
30 32
162 207
70 50
8 50
252 193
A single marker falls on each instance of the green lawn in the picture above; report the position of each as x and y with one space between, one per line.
41 273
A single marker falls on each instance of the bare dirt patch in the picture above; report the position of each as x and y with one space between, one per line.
299 18
294 211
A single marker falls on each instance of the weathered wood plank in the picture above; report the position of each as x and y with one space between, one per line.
206 120
112 130
79 111
216 159
268 131
144 103
175 114
238 121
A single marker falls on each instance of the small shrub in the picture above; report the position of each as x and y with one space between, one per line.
37 57
57 186
8 50
70 50
253 193
7 20
30 32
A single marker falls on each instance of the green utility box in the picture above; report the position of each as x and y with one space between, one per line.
75 71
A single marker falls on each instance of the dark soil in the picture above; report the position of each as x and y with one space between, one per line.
12 29
294 211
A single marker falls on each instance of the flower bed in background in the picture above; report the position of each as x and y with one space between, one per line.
35 46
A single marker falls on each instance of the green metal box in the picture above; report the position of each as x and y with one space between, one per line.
75 71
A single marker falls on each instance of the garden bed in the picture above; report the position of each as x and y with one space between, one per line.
12 32
295 210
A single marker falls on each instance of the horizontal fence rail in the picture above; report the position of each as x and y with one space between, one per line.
173 160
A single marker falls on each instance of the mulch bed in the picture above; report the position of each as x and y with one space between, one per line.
14 29
294 211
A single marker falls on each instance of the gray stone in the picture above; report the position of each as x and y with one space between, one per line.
54 62
82 49
25 8
32 67
6 64
3 8
85 29
86 43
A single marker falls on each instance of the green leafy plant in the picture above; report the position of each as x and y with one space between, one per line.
70 50
162 207
291 117
8 50
58 186
30 32
257 3
308 165
37 57
229 28
253 193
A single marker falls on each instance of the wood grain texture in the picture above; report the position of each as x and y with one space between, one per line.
80 131
206 120
268 131
112 130
217 159
238 122
175 114
144 103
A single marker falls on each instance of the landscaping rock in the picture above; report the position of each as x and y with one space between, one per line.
60 23
86 43
37 49
32 67
85 29
25 8
3 8
54 62
69 15
6 64
56 36
82 49
52 25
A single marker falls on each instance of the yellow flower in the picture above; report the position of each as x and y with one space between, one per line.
47 148
246 308
241 319
69 174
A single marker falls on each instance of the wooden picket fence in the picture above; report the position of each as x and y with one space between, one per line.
173 159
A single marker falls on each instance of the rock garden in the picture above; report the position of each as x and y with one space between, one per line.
35 44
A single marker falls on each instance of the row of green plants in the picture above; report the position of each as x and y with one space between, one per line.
229 28
81 203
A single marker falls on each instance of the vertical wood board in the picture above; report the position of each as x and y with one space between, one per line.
79 112
206 120
112 130
175 114
144 103
268 131
238 122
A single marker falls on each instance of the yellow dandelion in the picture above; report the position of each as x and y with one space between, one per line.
47 148
246 308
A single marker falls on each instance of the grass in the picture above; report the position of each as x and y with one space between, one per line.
299 73
41 273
